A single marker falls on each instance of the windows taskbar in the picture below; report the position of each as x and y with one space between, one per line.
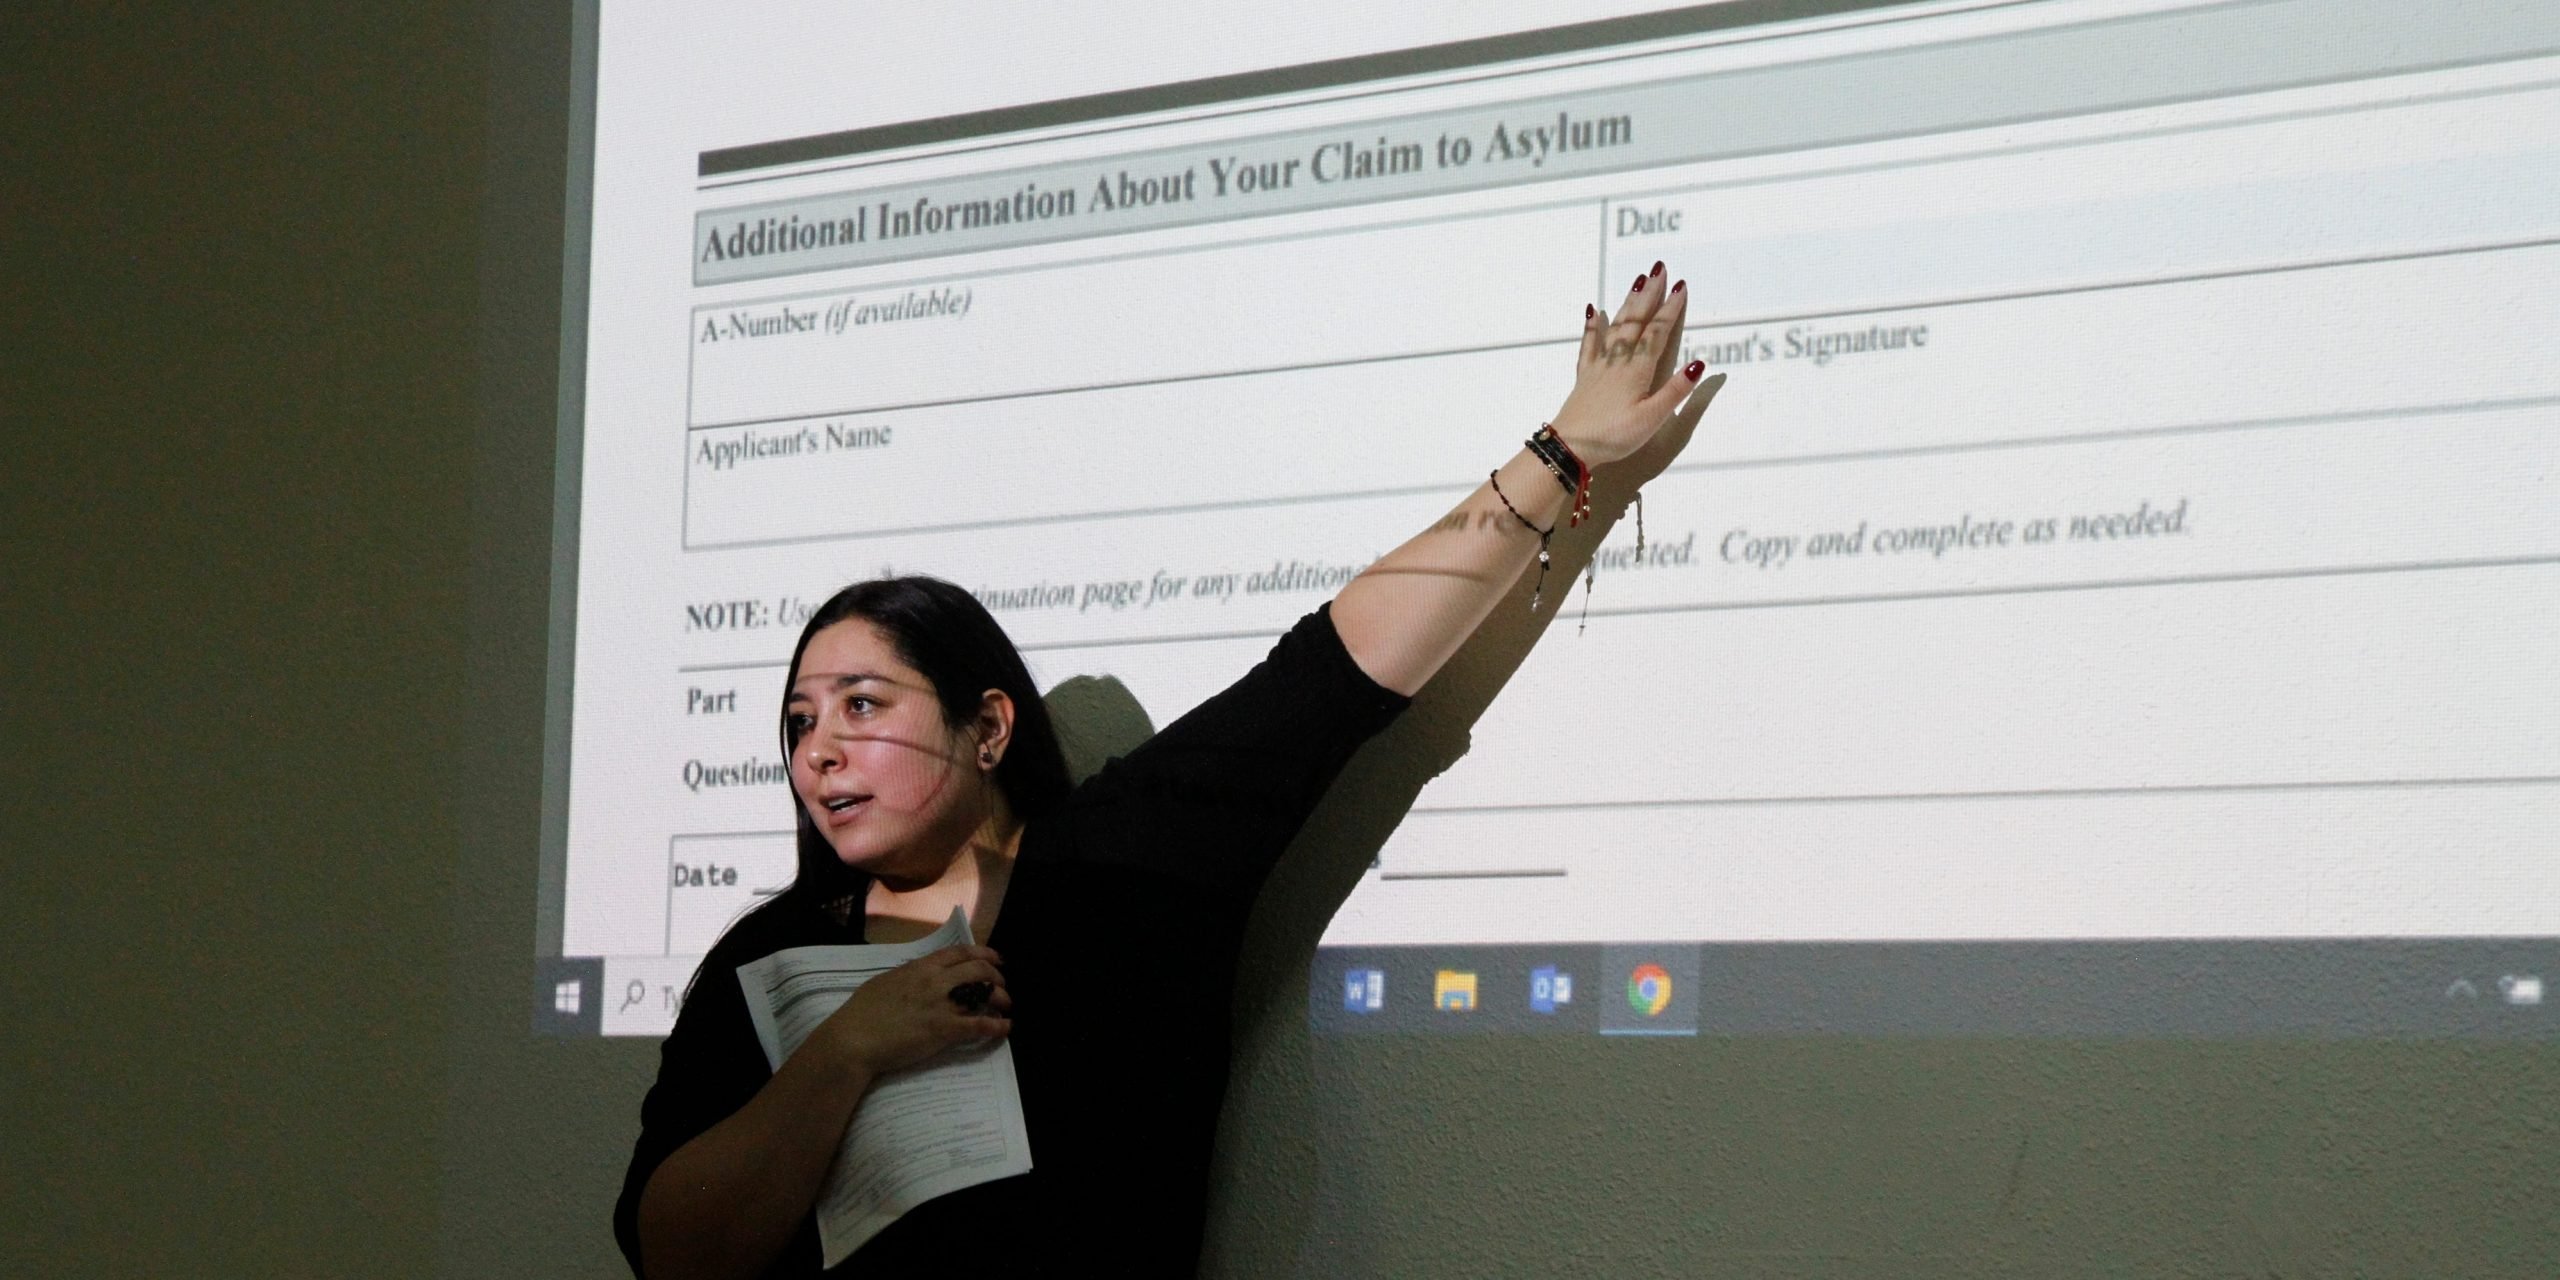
2390 988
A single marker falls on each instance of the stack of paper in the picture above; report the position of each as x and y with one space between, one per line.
953 1121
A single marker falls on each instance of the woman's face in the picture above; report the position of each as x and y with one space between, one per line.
894 788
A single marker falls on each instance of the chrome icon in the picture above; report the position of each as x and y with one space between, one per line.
1648 989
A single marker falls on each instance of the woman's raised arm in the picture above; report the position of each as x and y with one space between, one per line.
1404 616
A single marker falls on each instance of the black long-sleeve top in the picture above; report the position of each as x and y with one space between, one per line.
1119 931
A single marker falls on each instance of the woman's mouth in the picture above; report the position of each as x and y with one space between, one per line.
844 809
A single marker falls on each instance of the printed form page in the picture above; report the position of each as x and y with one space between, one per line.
2134 512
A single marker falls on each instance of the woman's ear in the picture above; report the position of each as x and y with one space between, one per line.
993 727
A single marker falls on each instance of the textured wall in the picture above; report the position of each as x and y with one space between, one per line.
1833 1157
240 244
281 576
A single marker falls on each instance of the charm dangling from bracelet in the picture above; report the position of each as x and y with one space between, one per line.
1591 572
1539 592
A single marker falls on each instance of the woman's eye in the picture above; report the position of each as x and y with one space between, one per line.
860 705
798 723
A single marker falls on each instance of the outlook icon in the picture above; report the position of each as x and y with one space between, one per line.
1548 988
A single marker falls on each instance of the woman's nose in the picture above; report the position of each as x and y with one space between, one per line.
821 758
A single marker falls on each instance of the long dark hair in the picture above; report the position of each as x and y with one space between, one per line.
958 647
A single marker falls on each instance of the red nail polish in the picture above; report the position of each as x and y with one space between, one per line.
1639 285
1590 312
1679 285
1657 269
1696 368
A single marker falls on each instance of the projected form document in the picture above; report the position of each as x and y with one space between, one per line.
2133 515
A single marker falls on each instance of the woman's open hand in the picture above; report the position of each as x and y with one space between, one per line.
1627 381
908 1014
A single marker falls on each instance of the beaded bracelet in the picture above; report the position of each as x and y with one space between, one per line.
1539 592
1568 469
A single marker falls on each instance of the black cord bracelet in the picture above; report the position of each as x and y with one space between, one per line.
1539 592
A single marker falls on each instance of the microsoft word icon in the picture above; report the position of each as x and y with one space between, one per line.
1364 990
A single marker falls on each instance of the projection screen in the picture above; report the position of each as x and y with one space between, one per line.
2114 593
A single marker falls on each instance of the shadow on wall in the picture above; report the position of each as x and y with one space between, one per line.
1097 718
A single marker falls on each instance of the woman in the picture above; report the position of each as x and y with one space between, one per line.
1106 916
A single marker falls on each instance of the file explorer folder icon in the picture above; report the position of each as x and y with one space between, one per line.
1453 990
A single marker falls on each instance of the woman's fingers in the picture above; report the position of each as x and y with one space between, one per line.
1631 342
1627 304
1662 333
984 1003
990 1016
973 970
1643 298
968 1028
974 1020
1632 373
1666 399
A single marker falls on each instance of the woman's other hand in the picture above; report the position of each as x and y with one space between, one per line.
727 1202
1628 381
908 1014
